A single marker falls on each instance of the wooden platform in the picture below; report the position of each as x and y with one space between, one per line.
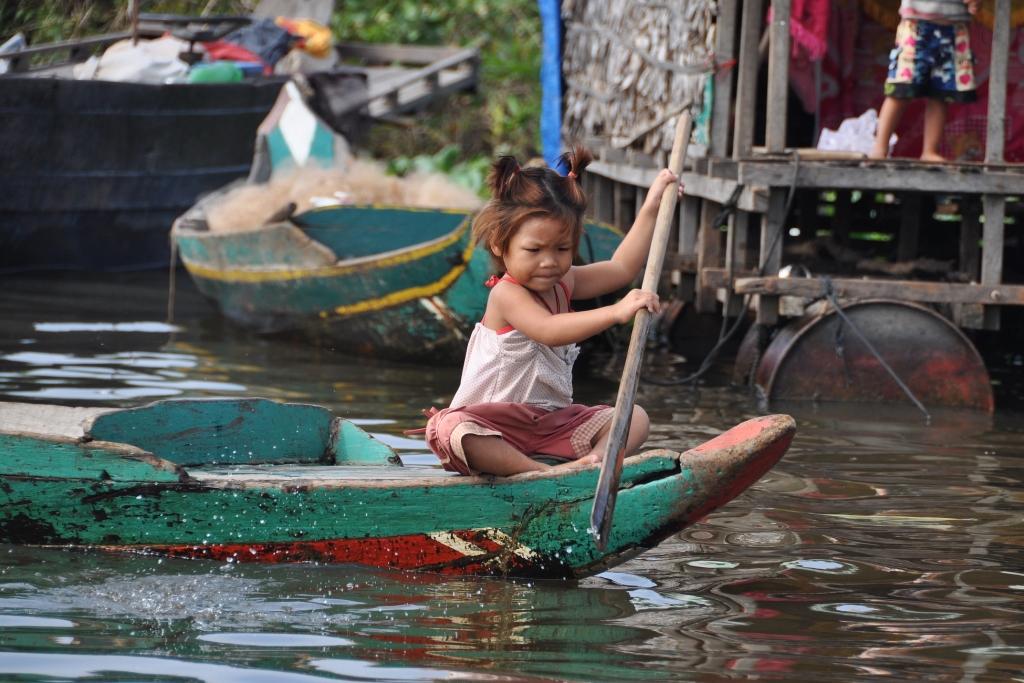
403 78
893 175
749 208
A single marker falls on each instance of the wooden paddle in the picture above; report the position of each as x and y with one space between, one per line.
611 465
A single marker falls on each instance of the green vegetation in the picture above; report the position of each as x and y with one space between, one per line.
45 21
471 173
468 128
504 116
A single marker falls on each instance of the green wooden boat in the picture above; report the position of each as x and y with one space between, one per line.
256 480
389 281
392 281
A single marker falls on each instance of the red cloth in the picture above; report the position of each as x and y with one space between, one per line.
218 50
808 29
565 433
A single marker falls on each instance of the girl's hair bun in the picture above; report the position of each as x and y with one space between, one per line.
576 159
504 176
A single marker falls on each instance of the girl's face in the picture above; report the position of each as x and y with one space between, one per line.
539 254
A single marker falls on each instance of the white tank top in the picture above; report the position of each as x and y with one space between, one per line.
509 367
512 368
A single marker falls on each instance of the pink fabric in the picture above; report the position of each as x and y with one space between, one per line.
809 32
808 28
565 433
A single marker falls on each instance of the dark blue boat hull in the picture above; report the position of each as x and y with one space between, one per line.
93 173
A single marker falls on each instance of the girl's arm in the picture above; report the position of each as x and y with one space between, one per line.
513 305
602 277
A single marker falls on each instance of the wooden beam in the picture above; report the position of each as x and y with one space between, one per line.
778 77
995 139
949 178
689 219
736 255
746 78
618 215
969 262
725 52
709 252
910 226
719 190
740 248
624 173
846 288
770 252
604 205
389 53
992 250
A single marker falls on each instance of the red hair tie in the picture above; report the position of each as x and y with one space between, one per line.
572 174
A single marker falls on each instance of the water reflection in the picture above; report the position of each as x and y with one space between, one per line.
233 613
881 547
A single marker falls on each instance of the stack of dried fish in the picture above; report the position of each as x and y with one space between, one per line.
631 66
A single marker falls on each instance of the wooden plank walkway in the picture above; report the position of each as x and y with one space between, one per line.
403 78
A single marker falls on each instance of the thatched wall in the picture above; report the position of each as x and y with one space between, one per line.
630 67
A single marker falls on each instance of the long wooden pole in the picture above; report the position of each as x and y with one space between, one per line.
611 465
133 9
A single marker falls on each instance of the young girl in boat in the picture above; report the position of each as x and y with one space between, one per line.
515 398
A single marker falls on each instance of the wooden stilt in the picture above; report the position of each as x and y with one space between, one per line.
910 226
778 77
994 206
770 259
709 253
725 52
605 200
746 85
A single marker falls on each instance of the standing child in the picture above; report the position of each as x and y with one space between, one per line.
932 59
515 398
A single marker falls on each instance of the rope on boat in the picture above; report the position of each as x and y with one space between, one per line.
830 294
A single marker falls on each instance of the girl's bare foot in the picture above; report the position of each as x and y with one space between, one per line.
587 460
932 157
879 152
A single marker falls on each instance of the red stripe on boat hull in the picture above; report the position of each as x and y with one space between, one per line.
412 551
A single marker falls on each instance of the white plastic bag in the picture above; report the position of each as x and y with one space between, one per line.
151 61
854 135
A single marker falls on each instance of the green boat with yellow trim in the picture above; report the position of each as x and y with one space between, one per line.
393 281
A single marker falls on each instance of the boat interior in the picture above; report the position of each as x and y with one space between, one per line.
251 442
358 231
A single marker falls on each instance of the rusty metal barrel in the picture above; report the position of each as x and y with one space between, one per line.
819 358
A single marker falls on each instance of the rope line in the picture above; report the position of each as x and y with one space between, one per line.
830 294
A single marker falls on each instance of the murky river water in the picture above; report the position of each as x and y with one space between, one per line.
879 547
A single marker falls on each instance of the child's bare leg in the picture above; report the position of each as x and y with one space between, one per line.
934 124
888 117
639 428
494 455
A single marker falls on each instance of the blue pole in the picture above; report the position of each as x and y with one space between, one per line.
551 80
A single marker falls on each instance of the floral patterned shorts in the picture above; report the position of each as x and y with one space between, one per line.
931 60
